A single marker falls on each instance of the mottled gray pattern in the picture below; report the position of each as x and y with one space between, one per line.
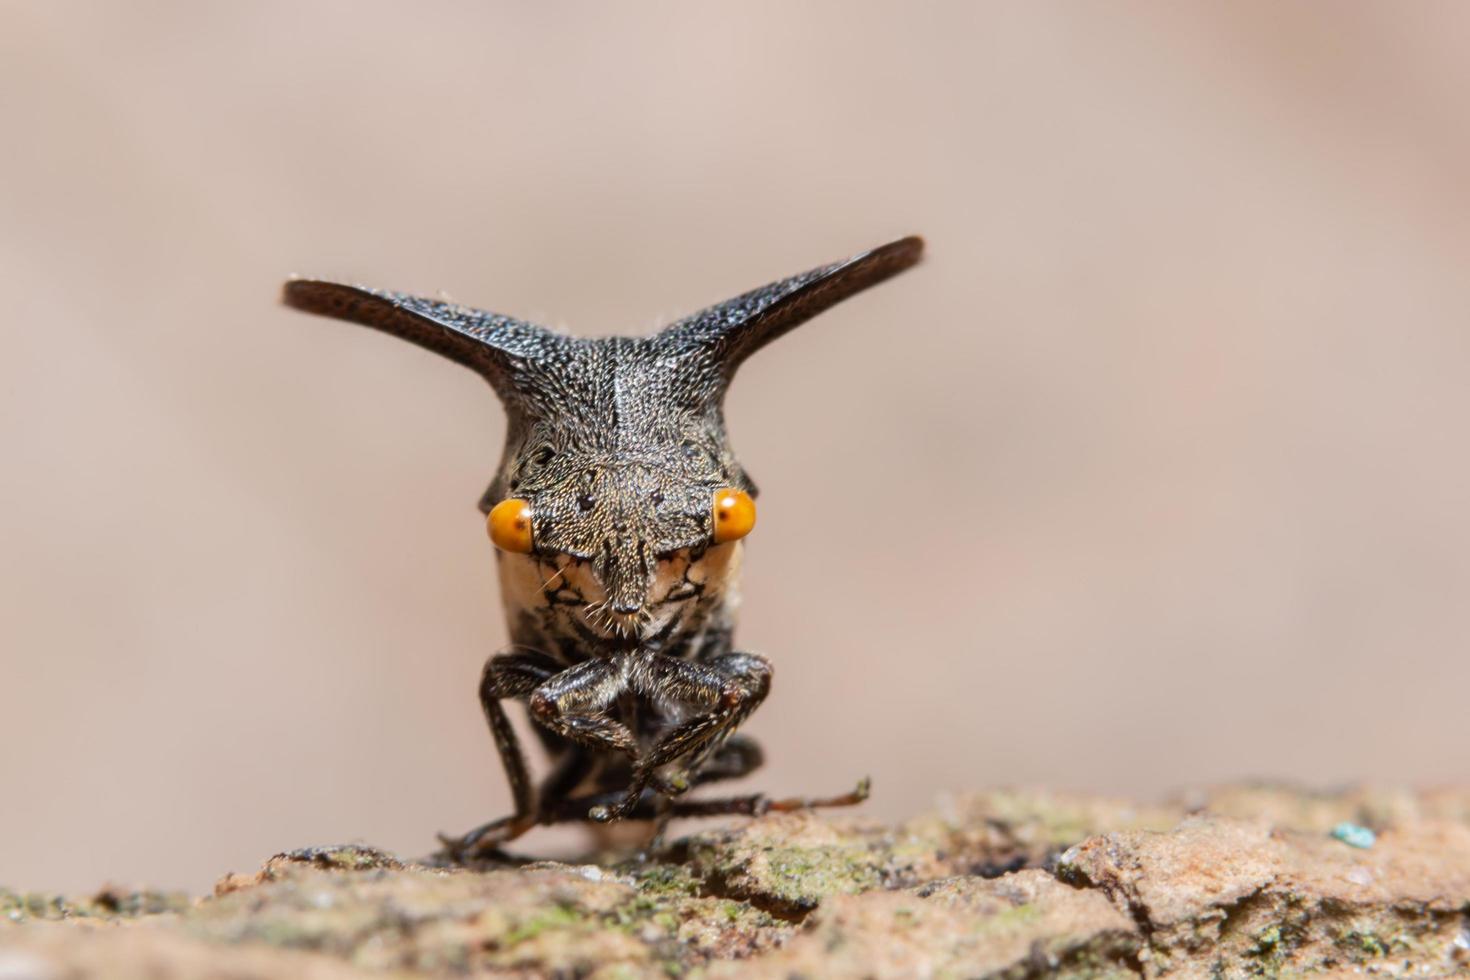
623 613
617 442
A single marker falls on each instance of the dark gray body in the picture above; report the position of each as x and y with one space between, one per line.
622 616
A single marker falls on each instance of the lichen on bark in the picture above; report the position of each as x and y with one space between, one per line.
1242 881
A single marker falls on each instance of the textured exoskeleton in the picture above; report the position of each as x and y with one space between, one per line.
619 579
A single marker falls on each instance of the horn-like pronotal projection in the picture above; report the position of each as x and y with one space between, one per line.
618 516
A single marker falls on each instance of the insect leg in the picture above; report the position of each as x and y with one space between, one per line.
727 689
737 757
569 702
507 675
759 803
574 704
513 675
745 680
649 806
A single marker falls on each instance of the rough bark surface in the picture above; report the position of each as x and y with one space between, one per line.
1237 882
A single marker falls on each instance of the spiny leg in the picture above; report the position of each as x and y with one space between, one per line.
727 689
566 701
746 680
573 704
758 803
507 675
754 673
738 757
650 806
570 702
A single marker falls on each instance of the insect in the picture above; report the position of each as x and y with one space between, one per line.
617 515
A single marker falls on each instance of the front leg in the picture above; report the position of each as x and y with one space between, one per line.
513 674
723 691
567 701
574 704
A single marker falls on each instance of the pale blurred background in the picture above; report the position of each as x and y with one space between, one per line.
1154 474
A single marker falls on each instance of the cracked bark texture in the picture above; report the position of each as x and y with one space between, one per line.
1237 882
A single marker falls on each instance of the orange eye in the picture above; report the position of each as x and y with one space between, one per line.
734 515
510 525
